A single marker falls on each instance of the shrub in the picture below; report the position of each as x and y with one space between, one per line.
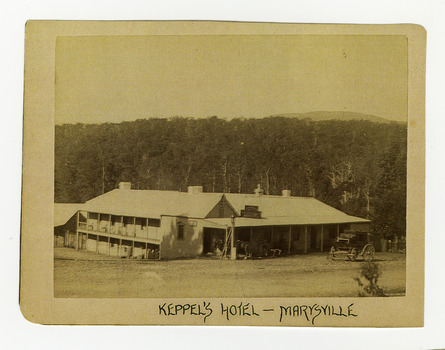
371 272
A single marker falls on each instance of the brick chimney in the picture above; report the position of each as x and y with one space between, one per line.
125 185
286 193
194 189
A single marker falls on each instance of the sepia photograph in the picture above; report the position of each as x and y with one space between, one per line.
237 166
241 165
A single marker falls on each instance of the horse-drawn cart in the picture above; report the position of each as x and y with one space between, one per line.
353 244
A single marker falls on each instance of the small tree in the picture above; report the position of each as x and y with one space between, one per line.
371 272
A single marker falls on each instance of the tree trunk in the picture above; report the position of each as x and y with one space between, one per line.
224 169
267 189
103 177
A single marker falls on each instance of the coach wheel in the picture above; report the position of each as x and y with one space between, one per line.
353 254
368 252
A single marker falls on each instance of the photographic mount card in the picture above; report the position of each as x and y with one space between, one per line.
221 173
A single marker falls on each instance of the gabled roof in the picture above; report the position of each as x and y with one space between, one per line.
64 211
153 204
193 205
276 209
304 210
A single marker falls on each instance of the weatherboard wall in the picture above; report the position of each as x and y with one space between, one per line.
174 246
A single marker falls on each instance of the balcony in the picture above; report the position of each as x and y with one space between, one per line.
146 234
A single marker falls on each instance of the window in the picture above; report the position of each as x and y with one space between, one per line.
180 231
127 221
154 222
141 222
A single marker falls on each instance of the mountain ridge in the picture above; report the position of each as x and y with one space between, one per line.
337 115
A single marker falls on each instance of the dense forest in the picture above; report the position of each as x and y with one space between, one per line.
357 166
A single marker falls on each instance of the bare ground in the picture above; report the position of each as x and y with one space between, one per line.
88 275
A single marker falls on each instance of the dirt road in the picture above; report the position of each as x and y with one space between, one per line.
87 275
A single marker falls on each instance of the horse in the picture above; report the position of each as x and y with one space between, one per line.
243 248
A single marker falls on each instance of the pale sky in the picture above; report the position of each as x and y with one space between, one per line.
120 78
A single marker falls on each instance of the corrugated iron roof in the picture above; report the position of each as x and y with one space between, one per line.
283 221
65 211
275 210
306 209
153 204
193 205
156 203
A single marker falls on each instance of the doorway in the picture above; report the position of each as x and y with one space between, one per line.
313 238
213 240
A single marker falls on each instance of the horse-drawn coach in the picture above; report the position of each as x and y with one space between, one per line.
353 244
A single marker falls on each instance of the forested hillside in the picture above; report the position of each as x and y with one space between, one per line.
357 166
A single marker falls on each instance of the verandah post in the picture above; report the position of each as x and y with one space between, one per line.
322 237
250 242
290 240
77 230
271 238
